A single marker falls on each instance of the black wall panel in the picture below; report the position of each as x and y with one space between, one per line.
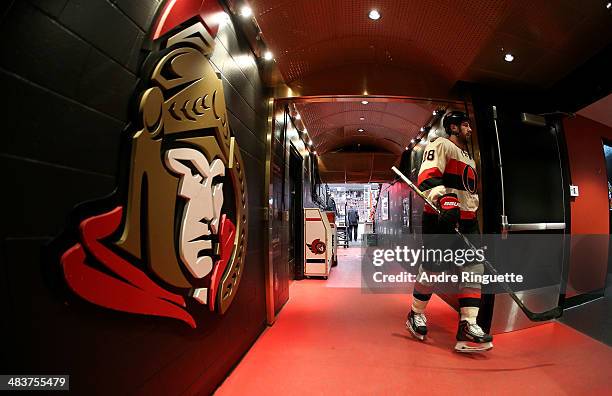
69 69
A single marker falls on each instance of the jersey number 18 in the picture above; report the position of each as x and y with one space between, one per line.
428 155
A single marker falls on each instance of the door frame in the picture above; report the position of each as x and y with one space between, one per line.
298 241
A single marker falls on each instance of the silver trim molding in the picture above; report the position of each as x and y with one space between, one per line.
535 226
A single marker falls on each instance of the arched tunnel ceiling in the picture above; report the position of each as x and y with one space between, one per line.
388 125
423 47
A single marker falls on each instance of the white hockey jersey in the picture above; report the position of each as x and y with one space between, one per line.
448 169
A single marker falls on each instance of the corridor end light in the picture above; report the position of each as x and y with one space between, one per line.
508 57
246 11
374 15
268 55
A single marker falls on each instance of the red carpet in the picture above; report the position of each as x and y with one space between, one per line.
331 339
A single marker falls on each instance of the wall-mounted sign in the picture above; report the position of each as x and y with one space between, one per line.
574 191
172 239
384 205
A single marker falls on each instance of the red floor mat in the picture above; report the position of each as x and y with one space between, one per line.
332 339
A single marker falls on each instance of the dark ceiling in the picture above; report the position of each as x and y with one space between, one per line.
419 48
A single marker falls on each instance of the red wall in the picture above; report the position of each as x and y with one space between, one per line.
589 211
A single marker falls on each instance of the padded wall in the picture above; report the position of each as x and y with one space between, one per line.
69 69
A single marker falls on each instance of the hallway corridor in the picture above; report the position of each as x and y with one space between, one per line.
331 338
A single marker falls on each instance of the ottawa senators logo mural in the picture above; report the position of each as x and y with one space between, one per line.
172 240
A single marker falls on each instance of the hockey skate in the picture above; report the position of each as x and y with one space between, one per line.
471 338
417 325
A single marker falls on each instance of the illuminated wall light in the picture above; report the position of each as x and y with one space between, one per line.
365 102
609 5
412 140
406 148
361 118
310 143
315 152
298 116
508 57
245 61
374 15
422 129
221 18
434 112
246 11
360 130
268 55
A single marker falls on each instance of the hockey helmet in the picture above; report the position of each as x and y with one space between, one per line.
454 117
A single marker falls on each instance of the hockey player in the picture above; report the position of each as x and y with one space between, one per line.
448 177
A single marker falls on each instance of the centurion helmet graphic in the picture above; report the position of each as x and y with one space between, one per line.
171 241
317 246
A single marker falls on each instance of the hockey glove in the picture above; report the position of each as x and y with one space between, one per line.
449 209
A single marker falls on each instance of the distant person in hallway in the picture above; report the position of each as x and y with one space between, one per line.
352 217
331 205
448 177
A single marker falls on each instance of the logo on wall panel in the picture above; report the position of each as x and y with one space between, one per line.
172 239
317 246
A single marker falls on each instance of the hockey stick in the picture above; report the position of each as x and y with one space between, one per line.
533 316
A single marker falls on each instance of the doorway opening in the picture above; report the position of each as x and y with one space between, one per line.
355 211
330 161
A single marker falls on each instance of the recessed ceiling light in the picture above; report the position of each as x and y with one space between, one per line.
268 55
360 130
508 57
374 15
314 152
422 129
411 140
364 102
434 112
361 118
246 11
609 5
406 148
